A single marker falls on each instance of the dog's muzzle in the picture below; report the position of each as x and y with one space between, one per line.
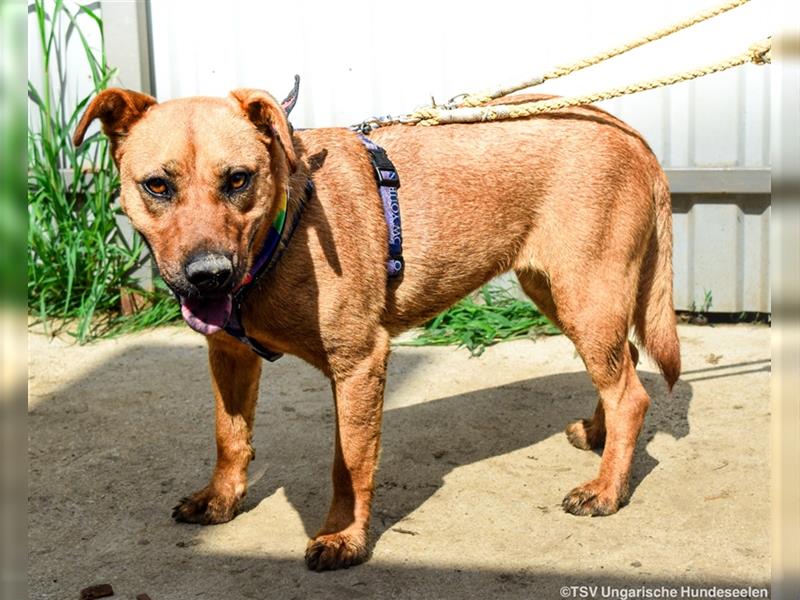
208 306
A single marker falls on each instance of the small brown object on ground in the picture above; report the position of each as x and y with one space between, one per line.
142 597
104 590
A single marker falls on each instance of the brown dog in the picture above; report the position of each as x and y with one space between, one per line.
574 202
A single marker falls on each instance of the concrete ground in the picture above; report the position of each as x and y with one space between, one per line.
473 470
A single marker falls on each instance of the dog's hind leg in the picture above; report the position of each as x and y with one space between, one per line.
595 312
586 434
624 404
358 383
590 434
235 373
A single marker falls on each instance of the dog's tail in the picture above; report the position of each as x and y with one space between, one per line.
654 318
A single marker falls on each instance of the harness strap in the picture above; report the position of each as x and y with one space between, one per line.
388 182
271 251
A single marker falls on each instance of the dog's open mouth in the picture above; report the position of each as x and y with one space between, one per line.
206 315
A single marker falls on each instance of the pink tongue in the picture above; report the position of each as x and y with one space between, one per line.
206 316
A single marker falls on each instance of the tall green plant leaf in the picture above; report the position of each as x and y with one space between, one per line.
78 258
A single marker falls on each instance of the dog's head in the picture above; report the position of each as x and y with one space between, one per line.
201 180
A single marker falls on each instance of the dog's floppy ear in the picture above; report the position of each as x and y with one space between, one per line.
266 114
118 110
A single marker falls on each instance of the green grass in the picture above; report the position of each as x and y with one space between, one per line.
162 310
78 257
492 315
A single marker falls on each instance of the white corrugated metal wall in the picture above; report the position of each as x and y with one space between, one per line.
360 58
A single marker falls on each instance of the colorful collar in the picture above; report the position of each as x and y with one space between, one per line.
267 253
271 250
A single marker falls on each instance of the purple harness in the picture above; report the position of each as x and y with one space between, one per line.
388 182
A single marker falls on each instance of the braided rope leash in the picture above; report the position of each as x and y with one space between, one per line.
758 53
482 98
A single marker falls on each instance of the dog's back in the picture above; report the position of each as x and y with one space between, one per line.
570 197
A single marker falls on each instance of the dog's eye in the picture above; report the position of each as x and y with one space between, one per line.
238 181
157 187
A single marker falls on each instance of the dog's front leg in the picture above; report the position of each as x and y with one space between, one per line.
235 373
358 396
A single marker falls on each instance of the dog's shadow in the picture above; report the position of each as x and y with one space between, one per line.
422 443
163 418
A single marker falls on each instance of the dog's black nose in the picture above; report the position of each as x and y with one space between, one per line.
209 272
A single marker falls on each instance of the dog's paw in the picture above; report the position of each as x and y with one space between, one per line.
586 435
595 498
206 507
336 551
